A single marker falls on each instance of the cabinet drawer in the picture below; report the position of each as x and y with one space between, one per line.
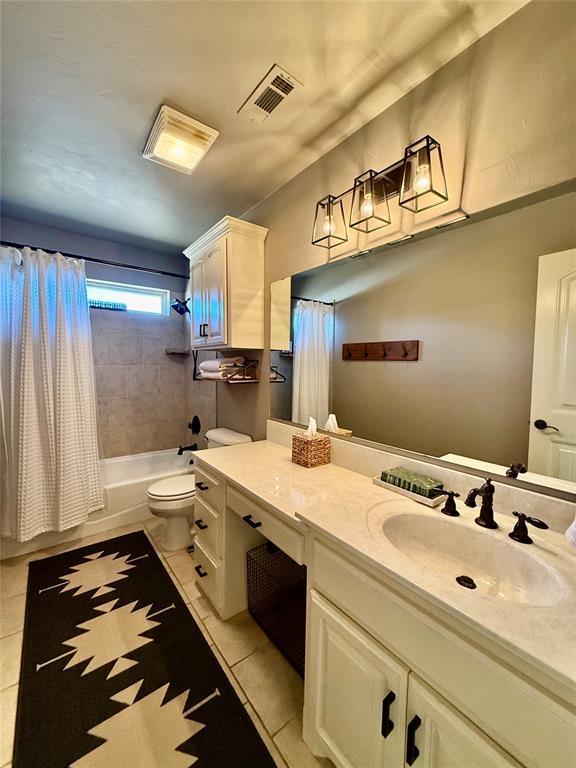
210 488
208 527
532 727
282 534
208 574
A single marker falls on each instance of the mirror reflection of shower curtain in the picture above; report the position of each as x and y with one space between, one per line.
49 462
313 340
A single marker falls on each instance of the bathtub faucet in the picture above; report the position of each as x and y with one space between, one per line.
182 448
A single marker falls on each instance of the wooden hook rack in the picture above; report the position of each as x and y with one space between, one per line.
402 351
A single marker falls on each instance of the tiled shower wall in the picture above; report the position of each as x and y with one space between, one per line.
145 397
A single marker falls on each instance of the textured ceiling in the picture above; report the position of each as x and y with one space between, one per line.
82 83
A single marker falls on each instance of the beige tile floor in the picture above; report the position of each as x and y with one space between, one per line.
266 684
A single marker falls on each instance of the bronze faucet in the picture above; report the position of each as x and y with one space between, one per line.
486 516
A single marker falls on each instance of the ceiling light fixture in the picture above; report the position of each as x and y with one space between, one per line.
178 141
418 180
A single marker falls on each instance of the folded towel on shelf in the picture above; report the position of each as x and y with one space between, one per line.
214 375
222 363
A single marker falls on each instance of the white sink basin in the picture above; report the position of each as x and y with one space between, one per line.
499 567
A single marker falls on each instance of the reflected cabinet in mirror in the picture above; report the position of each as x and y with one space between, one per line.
460 345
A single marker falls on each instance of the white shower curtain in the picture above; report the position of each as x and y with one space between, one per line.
49 464
313 339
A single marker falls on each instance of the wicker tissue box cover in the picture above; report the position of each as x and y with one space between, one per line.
310 451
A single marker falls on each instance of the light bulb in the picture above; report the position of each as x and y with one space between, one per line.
367 207
178 150
329 227
422 179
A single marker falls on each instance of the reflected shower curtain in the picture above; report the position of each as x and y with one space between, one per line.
313 339
49 463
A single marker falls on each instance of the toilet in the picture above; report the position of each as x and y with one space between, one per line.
172 498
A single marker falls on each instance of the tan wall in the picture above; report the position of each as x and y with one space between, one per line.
469 296
503 111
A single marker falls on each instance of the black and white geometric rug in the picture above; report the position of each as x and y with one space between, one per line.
116 674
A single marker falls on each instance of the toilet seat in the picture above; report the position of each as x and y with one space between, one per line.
173 488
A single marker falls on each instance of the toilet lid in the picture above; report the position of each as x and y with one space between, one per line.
176 487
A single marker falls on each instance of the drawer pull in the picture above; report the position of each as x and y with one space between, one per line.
412 751
200 524
202 486
387 724
251 523
200 572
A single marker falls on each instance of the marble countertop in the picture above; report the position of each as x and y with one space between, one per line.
349 509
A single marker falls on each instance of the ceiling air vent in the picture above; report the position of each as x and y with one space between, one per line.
270 92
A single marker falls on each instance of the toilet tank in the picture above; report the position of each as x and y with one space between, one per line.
218 438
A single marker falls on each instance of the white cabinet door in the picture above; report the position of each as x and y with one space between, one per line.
355 693
437 736
215 292
197 303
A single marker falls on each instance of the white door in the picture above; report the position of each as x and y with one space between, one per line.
215 287
355 693
552 450
197 303
437 736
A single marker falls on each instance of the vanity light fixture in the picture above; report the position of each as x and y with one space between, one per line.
369 209
400 240
463 217
423 177
178 141
329 223
418 179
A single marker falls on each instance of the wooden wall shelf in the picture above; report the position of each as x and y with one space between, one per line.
383 351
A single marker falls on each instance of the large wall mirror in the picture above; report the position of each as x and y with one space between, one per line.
492 306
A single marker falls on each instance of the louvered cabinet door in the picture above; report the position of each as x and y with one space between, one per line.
355 692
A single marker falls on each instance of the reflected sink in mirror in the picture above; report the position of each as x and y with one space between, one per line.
500 569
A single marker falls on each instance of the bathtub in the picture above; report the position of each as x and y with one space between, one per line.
125 480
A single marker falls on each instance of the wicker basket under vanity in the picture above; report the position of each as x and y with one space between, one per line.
310 450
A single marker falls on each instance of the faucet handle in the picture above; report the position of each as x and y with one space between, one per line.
520 532
516 469
449 507
532 520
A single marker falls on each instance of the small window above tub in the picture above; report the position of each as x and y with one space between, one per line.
104 294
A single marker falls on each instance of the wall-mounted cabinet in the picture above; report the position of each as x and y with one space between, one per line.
227 286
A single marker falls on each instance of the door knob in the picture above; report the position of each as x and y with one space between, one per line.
541 424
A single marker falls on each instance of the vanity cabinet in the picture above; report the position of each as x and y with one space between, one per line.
227 524
227 286
356 691
494 712
369 710
438 736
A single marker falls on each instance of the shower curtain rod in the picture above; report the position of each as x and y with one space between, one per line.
302 298
101 261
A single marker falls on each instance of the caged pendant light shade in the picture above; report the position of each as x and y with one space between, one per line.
329 224
423 177
369 210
